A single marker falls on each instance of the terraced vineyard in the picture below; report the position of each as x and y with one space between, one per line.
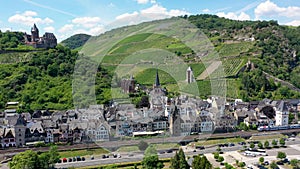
234 49
232 66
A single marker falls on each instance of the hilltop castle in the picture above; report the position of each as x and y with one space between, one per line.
48 40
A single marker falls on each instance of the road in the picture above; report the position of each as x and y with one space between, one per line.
230 152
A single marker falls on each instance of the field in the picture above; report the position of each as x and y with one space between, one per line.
218 141
85 152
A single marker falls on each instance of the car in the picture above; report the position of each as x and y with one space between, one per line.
231 144
59 161
130 155
249 167
115 155
279 163
161 152
70 159
194 150
200 147
266 163
82 158
92 157
285 160
242 143
169 151
74 159
64 160
103 156
78 158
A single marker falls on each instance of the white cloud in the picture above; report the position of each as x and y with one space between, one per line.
231 15
30 13
206 10
152 13
153 1
27 18
269 8
142 1
126 15
293 23
96 30
87 22
66 28
49 29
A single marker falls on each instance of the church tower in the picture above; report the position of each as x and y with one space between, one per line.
156 83
190 75
35 34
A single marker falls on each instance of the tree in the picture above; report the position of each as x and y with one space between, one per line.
182 161
216 155
150 160
201 162
27 159
273 165
252 145
142 145
260 145
281 155
175 161
282 142
220 159
261 159
295 163
243 126
53 156
266 144
274 143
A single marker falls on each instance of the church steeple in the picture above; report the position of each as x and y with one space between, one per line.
157 83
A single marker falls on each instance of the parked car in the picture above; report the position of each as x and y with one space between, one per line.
59 161
70 159
74 159
92 158
266 163
82 158
103 156
64 160
78 158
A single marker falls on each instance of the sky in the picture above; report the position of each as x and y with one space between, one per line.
68 17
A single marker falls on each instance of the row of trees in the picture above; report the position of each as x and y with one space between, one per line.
33 160
266 144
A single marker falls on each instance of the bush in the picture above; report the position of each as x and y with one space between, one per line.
143 145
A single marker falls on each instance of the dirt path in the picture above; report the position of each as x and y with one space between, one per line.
209 70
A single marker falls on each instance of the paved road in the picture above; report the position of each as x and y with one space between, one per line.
189 152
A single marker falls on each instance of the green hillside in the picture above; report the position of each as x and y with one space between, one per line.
76 41
43 79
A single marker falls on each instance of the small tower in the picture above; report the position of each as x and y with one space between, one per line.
35 34
20 129
190 75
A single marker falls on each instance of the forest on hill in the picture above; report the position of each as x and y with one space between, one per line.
43 79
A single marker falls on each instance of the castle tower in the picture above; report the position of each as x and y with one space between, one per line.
20 129
190 75
34 34
175 125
